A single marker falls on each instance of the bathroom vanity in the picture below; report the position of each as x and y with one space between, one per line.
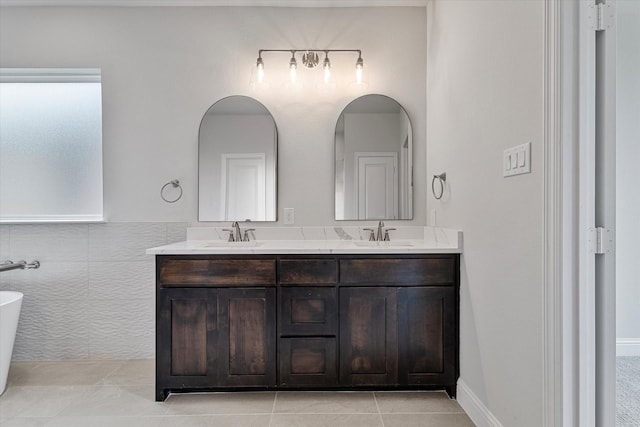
343 319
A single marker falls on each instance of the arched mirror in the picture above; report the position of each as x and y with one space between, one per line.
237 162
373 161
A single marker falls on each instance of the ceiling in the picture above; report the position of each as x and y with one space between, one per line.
266 3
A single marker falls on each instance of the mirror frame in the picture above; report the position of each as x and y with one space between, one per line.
410 175
275 160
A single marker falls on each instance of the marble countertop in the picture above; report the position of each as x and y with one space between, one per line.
429 241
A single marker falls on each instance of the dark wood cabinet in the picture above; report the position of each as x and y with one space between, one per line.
308 322
427 336
308 361
368 336
308 310
308 271
216 323
399 321
186 339
247 337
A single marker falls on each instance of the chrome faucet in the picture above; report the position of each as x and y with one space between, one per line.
382 234
379 237
235 233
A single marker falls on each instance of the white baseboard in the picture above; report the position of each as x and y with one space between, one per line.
475 409
628 347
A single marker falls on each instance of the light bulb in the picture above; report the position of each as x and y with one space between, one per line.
359 67
327 69
260 67
293 65
292 74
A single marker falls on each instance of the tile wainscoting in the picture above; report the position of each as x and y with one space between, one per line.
93 296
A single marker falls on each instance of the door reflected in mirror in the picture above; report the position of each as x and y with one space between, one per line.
373 161
237 162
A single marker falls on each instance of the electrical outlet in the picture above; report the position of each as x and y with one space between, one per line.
289 216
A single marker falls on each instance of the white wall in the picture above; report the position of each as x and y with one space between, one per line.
485 94
163 67
628 178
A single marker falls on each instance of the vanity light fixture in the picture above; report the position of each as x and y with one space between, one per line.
359 67
326 66
310 60
293 66
260 66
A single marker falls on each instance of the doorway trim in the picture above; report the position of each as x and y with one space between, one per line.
569 299
553 224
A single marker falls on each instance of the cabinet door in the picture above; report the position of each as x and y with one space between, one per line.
368 336
186 339
427 336
308 361
247 337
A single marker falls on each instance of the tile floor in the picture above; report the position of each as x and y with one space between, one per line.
121 393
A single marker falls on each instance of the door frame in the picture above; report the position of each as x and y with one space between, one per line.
358 156
554 398
570 348
226 160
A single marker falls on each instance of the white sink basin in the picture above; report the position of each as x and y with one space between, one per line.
365 243
230 245
371 244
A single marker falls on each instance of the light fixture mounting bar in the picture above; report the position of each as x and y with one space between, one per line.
310 57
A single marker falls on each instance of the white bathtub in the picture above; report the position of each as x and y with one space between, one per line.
10 305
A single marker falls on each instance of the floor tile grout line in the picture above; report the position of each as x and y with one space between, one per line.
325 413
375 399
125 417
113 370
273 408
424 413
201 414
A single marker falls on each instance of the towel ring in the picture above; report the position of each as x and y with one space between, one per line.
442 178
176 184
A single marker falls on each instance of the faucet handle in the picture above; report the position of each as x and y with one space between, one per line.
230 239
246 234
372 233
386 234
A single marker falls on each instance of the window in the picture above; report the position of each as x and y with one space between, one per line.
50 145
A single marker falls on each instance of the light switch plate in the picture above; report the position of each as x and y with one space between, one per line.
516 160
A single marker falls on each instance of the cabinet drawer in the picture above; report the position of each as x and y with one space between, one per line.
308 271
399 271
308 362
217 272
308 311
